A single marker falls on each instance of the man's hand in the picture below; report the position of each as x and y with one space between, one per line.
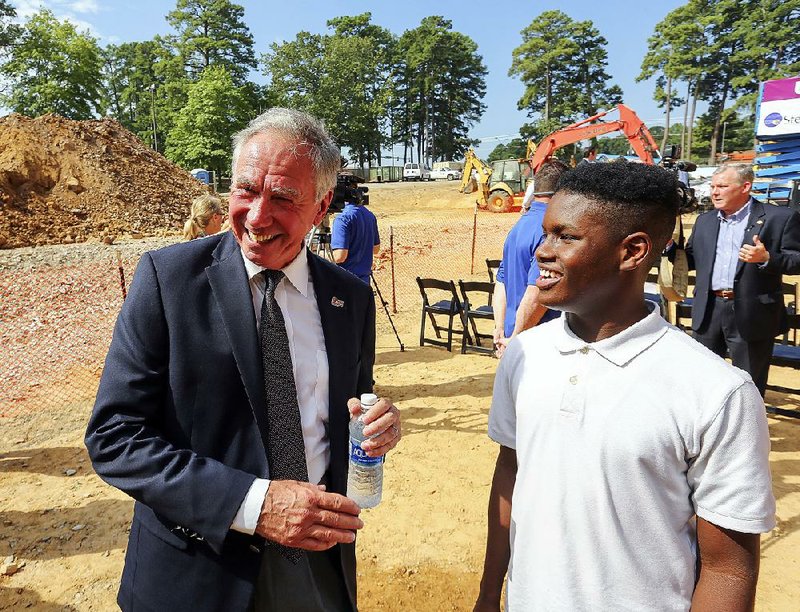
754 254
500 346
382 426
302 515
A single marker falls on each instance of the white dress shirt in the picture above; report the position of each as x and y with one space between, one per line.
729 241
298 302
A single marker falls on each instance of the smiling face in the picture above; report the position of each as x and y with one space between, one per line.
728 193
273 202
579 258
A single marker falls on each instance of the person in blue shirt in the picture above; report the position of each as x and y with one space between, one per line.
515 294
354 238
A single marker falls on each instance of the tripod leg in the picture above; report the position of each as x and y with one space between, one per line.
384 303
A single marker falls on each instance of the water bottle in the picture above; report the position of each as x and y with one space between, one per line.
364 474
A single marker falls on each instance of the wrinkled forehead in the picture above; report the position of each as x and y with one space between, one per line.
269 147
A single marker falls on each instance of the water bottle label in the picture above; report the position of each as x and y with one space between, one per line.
358 456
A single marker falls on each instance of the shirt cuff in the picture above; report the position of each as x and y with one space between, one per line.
246 519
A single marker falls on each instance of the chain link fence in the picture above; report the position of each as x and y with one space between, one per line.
59 303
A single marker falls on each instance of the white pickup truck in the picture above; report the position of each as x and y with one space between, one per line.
450 174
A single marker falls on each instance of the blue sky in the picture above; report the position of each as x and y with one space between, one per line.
495 26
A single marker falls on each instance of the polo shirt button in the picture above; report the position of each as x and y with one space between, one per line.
584 350
573 380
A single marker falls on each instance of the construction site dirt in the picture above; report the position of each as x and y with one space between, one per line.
63 532
65 181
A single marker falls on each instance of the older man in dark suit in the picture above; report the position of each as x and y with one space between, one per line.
741 251
223 405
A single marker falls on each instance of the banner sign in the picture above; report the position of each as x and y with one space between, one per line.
779 108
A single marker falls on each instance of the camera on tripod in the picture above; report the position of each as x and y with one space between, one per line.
670 160
347 190
681 168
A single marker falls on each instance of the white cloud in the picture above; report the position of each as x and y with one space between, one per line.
26 8
84 6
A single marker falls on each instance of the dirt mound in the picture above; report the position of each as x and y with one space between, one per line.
70 181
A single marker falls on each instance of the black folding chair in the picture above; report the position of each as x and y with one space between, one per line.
477 305
786 353
491 266
447 306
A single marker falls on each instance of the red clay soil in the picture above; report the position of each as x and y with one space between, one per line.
65 181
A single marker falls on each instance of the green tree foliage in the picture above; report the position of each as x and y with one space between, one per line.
515 149
53 68
665 54
145 86
562 64
215 110
721 50
211 33
9 31
345 78
441 84
359 58
771 46
738 129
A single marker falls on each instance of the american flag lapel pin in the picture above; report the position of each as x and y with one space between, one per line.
337 302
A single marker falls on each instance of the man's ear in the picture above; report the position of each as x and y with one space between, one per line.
323 207
635 251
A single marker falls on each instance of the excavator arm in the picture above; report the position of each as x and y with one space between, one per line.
628 123
484 172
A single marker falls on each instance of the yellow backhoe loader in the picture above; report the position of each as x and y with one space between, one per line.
501 185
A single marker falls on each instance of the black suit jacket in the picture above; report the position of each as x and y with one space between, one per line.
758 295
179 419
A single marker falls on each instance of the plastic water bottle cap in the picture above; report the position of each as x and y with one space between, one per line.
369 399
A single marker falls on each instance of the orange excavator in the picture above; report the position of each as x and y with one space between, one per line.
502 186
629 124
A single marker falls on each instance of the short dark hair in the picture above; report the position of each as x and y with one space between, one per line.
630 197
547 176
589 151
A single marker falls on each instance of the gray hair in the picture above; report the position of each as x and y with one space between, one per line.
743 171
326 160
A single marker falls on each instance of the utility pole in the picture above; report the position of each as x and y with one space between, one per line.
153 113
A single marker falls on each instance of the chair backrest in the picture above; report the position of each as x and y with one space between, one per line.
448 286
785 193
790 292
791 335
491 266
475 287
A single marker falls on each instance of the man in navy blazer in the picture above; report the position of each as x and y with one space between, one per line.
741 250
180 419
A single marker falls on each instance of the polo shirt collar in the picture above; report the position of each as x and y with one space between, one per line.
296 271
621 348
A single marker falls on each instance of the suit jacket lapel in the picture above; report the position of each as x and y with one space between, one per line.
710 243
756 214
230 287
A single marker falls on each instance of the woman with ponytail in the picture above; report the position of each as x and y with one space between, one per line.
206 217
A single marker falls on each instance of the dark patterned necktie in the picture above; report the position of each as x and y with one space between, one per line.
285 447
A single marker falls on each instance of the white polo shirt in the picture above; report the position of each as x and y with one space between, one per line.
619 444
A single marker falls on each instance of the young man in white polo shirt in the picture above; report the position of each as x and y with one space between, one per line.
633 468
